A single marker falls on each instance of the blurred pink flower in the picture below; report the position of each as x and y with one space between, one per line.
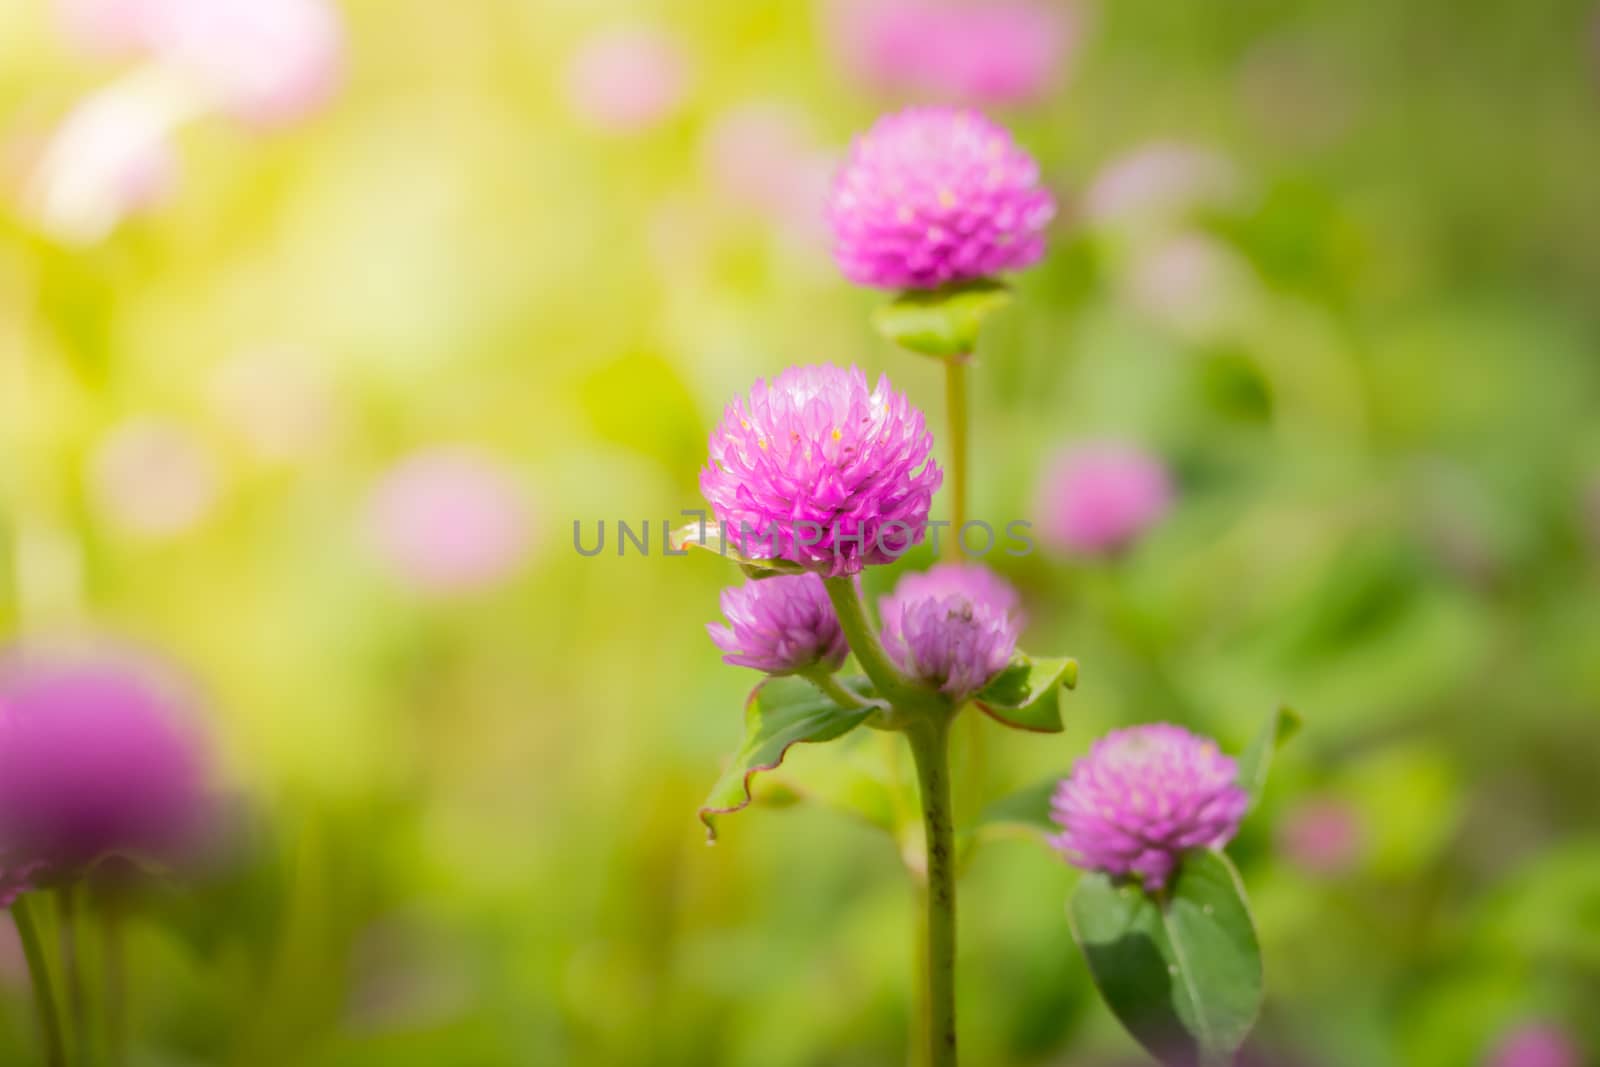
106 27
627 80
1099 497
1159 182
762 156
266 62
985 54
449 520
1321 836
108 160
1191 284
277 400
1536 1045
153 479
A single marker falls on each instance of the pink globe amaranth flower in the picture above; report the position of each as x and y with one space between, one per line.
628 80
449 520
817 469
987 54
780 625
98 757
1142 798
1098 497
153 479
931 196
1321 836
266 62
954 625
1536 1045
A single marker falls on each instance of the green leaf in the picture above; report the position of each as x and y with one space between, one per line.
1256 761
708 537
1028 809
941 322
1182 969
1027 694
781 713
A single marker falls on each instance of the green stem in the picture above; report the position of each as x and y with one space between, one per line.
116 983
72 971
900 691
830 686
930 748
44 999
955 378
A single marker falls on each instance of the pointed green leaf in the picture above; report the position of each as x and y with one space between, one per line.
781 713
1027 694
708 537
941 322
1256 761
1182 970
1026 809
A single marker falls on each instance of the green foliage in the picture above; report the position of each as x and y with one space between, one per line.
1027 694
1180 968
943 323
1256 762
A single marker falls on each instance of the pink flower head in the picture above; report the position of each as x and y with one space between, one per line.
1321 836
628 80
1537 1045
449 520
1099 497
106 27
780 625
816 468
98 757
1158 181
954 625
931 196
268 62
987 54
1142 798
153 479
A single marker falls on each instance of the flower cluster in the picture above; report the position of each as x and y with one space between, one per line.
780 625
932 196
97 758
1142 798
953 626
819 469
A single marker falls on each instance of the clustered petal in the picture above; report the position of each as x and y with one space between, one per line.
780 625
96 759
1142 798
816 468
931 196
954 626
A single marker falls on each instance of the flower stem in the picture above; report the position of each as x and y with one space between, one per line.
72 970
930 749
829 686
116 982
44 999
955 378
902 692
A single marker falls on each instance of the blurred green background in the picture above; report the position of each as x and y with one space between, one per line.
1370 355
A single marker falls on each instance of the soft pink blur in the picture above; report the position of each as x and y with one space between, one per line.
276 398
763 157
449 520
1322 836
106 27
1536 1045
1158 181
1098 497
627 80
985 54
153 479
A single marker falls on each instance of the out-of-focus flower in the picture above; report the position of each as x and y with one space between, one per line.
106 27
780 625
153 478
1321 836
277 400
816 468
1098 497
1143 797
266 62
985 54
930 196
109 159
628 80
1536 1045
98 757
1159 183
1193 285
449 520
763 157
954 626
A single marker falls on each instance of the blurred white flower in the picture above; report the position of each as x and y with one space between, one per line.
1193 285
153 479
1158 184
